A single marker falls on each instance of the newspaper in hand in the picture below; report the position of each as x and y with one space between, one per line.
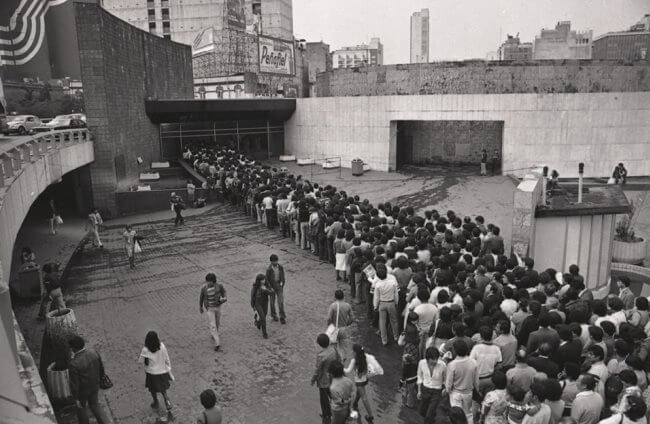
370 272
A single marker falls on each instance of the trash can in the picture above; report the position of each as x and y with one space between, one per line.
357 167
29 281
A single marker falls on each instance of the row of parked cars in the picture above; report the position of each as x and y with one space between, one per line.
28 124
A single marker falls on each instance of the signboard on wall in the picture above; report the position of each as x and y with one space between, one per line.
236 14
276 56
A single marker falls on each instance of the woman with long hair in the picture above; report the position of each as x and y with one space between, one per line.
157 367
359 365
260 301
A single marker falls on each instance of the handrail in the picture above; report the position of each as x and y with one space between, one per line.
15 153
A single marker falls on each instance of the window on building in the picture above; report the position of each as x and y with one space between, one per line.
151 13
164 3
152 26
167 36
150 4
165 14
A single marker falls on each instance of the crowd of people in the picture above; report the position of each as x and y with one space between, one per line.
480 330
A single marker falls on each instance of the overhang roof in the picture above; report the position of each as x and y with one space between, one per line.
191 110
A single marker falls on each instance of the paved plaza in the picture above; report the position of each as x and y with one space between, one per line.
253 377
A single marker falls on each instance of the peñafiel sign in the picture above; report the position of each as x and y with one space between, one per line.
276 56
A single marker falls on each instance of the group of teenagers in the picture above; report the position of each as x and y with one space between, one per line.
485 336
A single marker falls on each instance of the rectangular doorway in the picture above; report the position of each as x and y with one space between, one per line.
453 143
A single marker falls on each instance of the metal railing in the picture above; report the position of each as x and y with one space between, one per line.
22 150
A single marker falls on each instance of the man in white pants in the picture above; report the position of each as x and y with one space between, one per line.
213 295
92 227
462 379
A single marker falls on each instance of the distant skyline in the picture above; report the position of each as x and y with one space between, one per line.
459 29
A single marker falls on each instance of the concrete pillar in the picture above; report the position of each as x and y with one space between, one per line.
17 159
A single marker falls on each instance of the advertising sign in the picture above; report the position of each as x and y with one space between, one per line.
276 56
236 14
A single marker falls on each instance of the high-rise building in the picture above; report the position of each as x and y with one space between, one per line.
420 36
630 45
361 55
514 49
183 20
562 43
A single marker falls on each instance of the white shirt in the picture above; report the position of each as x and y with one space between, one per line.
427 314
509 307
158 361
268 202
431 380
486 357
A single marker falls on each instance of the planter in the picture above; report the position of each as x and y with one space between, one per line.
64 317
58 385
629 252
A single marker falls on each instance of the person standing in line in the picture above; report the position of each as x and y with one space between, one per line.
587 405
345 319
322 378
260 301
359 365
495 161
620 173
92 228
385 301
276 278
53 217
86 369
484 159
282 204
342 393
213 295
462 379
191 190
157 367
129 244
269 212
52 291
432 372
212 413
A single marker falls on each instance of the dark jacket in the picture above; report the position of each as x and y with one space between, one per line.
270 277
494 242
323 360
260 295
545 365
86 368
569 352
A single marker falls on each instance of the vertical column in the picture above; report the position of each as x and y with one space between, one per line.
17 160
268 140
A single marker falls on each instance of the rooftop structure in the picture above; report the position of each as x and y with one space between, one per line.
420 36
562 43
360 55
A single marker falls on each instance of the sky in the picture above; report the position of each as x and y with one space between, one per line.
459 29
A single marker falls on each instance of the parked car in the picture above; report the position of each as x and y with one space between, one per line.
22 124
63 122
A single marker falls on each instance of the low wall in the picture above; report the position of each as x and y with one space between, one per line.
482 77
557 130
133 202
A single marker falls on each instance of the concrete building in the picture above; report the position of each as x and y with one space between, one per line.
182 21
514 49
420 36
630 45
361 55
562 43
318 59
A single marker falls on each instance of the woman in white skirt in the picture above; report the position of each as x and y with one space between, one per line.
339 254
157 367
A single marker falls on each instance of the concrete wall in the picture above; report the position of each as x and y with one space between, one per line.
579 76
557 130
121 66
451 141
582 240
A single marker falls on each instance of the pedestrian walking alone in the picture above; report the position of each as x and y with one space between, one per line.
92 228
322 378
177 207
276 278
53 216
359 366
213 295
86 369
157 367
129 237
260 301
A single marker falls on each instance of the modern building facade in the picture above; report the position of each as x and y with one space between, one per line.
514 49
420 36
630 45
361 55
562 43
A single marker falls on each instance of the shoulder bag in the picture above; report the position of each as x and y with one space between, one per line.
431 341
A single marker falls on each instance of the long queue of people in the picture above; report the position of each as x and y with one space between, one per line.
480 330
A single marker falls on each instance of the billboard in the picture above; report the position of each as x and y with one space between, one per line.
236 14
276 56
